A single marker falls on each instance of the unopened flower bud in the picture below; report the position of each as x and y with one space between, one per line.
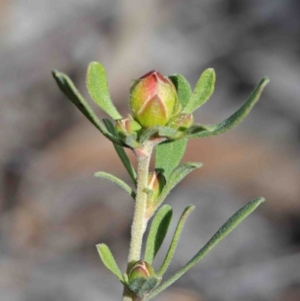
153 100
156 182
181 122
141 269
127 126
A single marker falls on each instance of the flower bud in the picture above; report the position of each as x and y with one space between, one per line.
156 182
181 122
153 100
127 126
141 269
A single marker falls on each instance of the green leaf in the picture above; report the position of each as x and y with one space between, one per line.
67 87
168 155
165 131
179 173
162 131
131 142
158 231
184 91
235 118
109 261
175 240
121 152
148 133
98 88
238 217
115 180
202 92
142 286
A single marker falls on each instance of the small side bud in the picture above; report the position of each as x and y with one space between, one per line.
156 182
142 279
181 122
141 269
126 127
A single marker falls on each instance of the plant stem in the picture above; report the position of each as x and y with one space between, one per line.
139 218
139 222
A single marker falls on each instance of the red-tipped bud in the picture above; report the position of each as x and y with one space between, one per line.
156 182
153 100
141 269
181 122
127 126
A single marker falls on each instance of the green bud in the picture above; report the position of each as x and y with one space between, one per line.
156 182
126 127
153 100
142 279
181 122
141 269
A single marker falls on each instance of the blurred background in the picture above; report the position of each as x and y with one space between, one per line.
52 210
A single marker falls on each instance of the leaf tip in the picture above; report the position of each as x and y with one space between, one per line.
256 202
265 80
93 63
260 200
192 207
56 73
211 70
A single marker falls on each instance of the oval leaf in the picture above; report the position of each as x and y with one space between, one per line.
109 261
158 231
202 92
98 89
183 88
168 155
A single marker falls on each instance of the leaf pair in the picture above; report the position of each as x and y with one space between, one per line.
231 223
68 88
157 234
98 89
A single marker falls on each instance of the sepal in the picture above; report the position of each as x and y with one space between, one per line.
181 122
128 130
142 279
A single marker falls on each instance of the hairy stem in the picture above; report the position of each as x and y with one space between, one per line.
139 222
